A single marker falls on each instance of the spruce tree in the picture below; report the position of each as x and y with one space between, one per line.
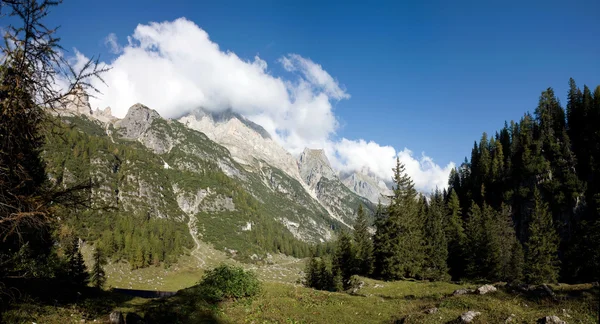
542 245
98 276
364 244
491 259
436 266
76 269
399 248
473 249
381 243
344 261
456 237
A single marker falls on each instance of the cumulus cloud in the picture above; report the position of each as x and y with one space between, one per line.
174 68
113 45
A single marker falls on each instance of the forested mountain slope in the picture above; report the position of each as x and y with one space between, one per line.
157 174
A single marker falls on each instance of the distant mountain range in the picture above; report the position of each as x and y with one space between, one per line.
198 168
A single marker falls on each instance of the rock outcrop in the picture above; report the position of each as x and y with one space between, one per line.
468 317
486 289
247 142
322 180
366 185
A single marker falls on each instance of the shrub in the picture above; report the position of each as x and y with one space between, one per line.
228 282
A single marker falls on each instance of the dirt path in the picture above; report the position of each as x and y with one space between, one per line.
194 233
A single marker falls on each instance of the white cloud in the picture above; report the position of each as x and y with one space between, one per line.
174 67
425 173
113 45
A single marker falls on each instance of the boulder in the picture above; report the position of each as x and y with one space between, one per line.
551 320
462 292
116 317
468 317
486 289
431 310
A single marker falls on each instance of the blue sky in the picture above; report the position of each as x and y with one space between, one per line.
430 76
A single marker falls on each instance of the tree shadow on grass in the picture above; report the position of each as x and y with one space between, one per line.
187 306
23 299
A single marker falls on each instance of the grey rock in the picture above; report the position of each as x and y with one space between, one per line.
138 120
366 185
314 165
464 291
468 317
76 102
486 289
116 317
551 320
510 319
431 310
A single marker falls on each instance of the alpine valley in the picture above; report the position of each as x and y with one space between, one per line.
211 179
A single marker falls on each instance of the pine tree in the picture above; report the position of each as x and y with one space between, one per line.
517 262
76 269
364 244
399 247
381 243
98 276
456 237
473 249
542 245
345 259
491 244
436 266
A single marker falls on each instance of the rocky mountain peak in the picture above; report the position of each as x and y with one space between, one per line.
313 165
77 102
366 185
137 121
227 116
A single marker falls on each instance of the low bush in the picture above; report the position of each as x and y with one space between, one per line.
228 282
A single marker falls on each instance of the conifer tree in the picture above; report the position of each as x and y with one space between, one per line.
436 266
475 241
517 262
76 269
399 248
491 244
364 244
456 237
344 260
381 243
98 276
542 245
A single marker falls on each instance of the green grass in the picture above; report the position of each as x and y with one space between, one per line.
376 302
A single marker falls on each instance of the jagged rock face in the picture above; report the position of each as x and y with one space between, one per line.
313 165
247 142
340 202
366 186
137 121
105 115
76 102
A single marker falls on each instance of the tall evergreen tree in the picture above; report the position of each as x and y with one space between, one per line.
98 276
344 261
473 249
399 249
76 269
364 244
456 237
542 245
436 260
